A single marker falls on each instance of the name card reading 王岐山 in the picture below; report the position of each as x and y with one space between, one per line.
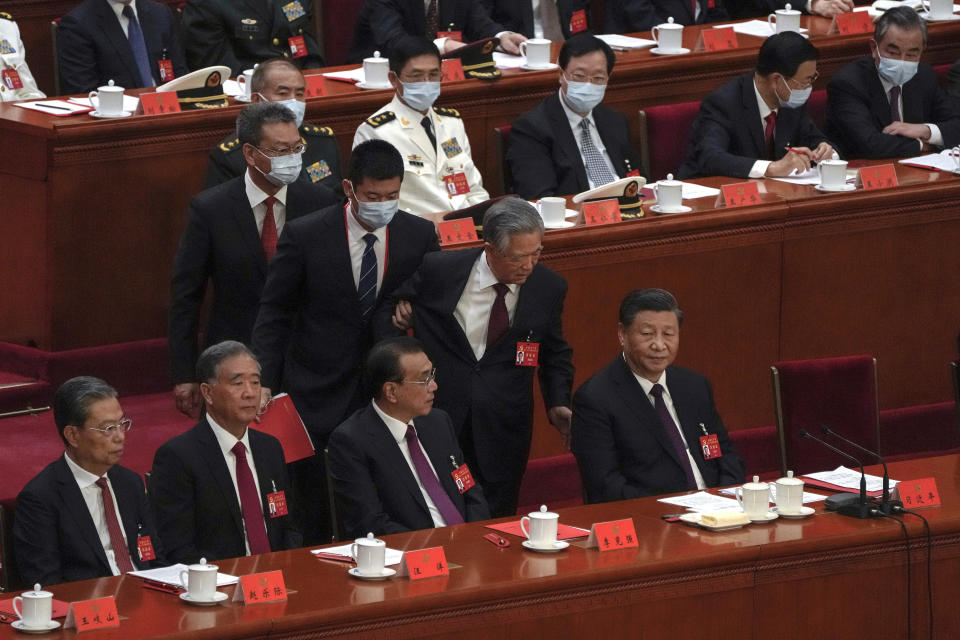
92 614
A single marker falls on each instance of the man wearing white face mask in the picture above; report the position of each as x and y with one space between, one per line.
332 268
756 126
279 80
889 105
439 174
570 142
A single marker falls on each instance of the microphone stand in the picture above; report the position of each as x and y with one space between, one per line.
844 505
887 506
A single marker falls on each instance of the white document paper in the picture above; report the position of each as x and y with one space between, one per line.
693 191
702 501
350 75
171 575
393 556
56 107
508 61
807 496
758 28
946 160
130 103
850 479
625 43
232 88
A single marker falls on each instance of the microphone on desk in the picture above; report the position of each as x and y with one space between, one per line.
886 504
846 504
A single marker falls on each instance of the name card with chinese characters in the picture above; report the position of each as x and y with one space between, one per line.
457 231
917 494
717 39
424 563
315 87
851 22
453 70
159 103
616 534
258 588
92 614
881 176
601 212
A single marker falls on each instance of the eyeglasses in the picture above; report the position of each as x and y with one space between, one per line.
273 153
803 85
426 381
111 429
581 77
518 258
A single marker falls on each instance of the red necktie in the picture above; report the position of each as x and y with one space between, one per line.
250 504
771 121
269 234
120 552
429 481
693 10
499 318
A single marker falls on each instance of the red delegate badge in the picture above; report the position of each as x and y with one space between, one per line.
166 70
462 478
453 35
298 48
578 21
527 354
710 446
145 549
277 504
11 79
457 184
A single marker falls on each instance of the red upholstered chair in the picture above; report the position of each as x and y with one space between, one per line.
955 370
941 70
338 20
9 578
501 142
665 136
817 108
838 392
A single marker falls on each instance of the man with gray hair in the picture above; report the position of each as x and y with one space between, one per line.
84 516
230 237
220 490
488 318
888 104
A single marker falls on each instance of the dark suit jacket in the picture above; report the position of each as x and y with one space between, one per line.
544 157
496 394
92 48
55 538
221 242
376 489
310 334
953 80
727 135
622 447
380 23
198 513
625 16
858 110
517 15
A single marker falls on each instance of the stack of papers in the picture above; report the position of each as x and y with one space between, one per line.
508 61
702 501
946 160
171 576
625 43
758 28
846 480
55 107
342 554
692 191
350 75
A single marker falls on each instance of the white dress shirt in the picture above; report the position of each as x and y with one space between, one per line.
358 245
574 119
473 308
399 432
759 168
94 500
117 7
668 401
227 441
936 138
257 198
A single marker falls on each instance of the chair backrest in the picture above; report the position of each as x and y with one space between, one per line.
54 27
336 523
838 392
817 108
501 142
665 135
955 368
9 577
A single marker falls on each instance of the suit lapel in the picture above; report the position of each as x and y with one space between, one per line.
752 115
210 450
383 440
878 98
634 396
114 33
242 214
568 144
337 252
76 506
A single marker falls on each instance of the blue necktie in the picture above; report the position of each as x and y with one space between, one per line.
367 287
139 47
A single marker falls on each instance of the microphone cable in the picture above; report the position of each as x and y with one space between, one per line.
926 526
906 539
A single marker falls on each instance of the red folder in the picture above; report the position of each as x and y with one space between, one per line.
564 532
282 421
820 484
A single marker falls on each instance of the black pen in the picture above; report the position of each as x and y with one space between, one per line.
52 106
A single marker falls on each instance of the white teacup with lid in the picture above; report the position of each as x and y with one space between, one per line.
107 100
375 71
789 494
370 555
542 527
669 36
669 194
833 173
786 19
200 581
754 498
34 608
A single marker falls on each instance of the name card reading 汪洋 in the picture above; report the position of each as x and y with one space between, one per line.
424 563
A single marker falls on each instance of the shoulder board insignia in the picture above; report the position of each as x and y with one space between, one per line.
230 145
6 16
445 111
381 118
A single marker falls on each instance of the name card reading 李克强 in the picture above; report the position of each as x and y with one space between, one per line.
616 534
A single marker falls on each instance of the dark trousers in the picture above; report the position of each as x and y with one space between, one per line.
502 495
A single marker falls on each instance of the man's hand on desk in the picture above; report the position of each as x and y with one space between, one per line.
510 42
403 315
823 152
830 8
915 131
798 161
188 399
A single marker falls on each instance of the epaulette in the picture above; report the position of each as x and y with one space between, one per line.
445 111
230 145
314 130
6 16
381 118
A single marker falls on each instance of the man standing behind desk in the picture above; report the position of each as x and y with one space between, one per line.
889 105
231 236
625 418
220 490
489 317
554 20
627 16
570 142
745 127
84 516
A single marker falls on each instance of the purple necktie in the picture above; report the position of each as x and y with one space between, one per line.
429 480
895 104
674 433
120 553
250 504
499 317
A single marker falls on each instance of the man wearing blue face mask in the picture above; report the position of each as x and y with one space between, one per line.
755 126
439 174
331 270
889 105
570 142
280 81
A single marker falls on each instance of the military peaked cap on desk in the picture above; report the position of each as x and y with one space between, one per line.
625 190
477 59
200 89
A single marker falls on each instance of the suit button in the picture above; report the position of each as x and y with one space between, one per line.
276 41
286 55
476 369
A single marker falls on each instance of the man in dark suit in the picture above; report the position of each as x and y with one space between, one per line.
626 16
745 127
135 44
489 317
230 238
241 34
763 8
554 148
381 23
890 105
953 80
220 490
396 463
84 516
332 268
625 418
554 20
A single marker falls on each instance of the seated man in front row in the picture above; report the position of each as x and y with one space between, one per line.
755 125
84 516
220 490
570 142
642 427
395 462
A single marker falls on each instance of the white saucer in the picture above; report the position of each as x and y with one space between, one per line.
926 16
770 517
681 209
386 573
528 67
847 187
18 625
572 213
694 520
657 51
559 545
804 513
364 85
122 114
242 98
218 596
566 224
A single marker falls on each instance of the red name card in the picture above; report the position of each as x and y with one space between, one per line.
720 39
740 193
616 534
159 102
315 87
457 231
852 22
424 563
601 212
92 614
453 70
258 588
917 494
878 177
